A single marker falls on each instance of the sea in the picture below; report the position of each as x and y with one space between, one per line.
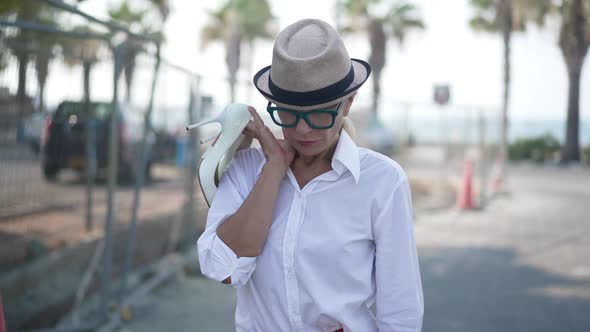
424 124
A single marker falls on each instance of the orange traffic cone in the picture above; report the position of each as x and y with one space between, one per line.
465 199
497 173
497 183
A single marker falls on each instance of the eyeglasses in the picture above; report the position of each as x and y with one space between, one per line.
316 119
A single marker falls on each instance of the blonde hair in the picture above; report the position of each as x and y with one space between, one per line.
348 126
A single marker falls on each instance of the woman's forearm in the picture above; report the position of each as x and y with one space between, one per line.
246 230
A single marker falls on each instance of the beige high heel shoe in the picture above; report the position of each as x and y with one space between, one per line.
233 119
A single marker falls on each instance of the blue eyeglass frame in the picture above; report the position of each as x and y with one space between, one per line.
305 115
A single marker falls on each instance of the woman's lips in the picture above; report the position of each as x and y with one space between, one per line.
306 143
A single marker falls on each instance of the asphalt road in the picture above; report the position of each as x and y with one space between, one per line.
521 264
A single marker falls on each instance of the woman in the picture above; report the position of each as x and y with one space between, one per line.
311 229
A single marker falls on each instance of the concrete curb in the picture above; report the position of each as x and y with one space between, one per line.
38 293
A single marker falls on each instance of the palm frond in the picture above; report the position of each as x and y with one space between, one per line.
125 14
402 18
252 18
480 23
355 8
210 33
163 7
483 4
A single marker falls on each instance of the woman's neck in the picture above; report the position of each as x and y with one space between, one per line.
319 160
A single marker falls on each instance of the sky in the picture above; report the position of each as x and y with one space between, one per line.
448 51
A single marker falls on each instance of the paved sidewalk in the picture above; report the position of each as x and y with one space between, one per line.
186 304
522 264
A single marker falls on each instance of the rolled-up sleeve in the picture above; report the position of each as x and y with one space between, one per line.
216 259
399 299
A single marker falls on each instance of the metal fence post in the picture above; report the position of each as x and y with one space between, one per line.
90 145
193 155
139 179
483 158
112 183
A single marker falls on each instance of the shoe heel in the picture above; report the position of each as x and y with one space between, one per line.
233 119
202 123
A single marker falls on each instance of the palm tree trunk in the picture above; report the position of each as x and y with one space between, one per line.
232 87
376 90
250 66
574 42
378 42
571 148
42 97
232 59
23 61
129 73
42 68
506 38
130 50
86 69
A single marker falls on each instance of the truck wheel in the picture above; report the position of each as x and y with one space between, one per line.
50 172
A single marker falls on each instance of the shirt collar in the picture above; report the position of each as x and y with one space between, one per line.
346 156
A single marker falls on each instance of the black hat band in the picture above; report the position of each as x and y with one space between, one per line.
309 98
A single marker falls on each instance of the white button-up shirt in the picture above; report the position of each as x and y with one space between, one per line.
335 247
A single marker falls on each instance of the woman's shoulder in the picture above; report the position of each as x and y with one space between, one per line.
376 165
251 154
249 159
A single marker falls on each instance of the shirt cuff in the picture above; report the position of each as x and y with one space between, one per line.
239 268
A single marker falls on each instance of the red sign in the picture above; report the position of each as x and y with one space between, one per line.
442 94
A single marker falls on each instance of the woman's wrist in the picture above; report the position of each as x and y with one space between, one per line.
276 168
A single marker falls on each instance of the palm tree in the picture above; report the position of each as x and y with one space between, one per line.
235 22
45 45
395 22
29 45
504 17
3 55
574 41
9 41
22 42
132 47
82 52
43 56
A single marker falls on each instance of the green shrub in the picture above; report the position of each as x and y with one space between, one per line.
537 149
586 155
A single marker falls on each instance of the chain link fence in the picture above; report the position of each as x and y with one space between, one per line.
94 164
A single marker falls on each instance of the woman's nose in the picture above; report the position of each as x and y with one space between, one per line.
302 127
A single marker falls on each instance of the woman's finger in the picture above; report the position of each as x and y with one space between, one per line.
250 129
256 118
262 131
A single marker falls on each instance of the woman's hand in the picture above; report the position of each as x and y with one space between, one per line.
278 152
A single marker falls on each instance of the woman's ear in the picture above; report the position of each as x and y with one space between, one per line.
351 98
347 104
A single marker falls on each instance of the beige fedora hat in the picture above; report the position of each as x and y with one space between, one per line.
310 68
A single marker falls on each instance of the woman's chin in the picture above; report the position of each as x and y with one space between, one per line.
308 151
